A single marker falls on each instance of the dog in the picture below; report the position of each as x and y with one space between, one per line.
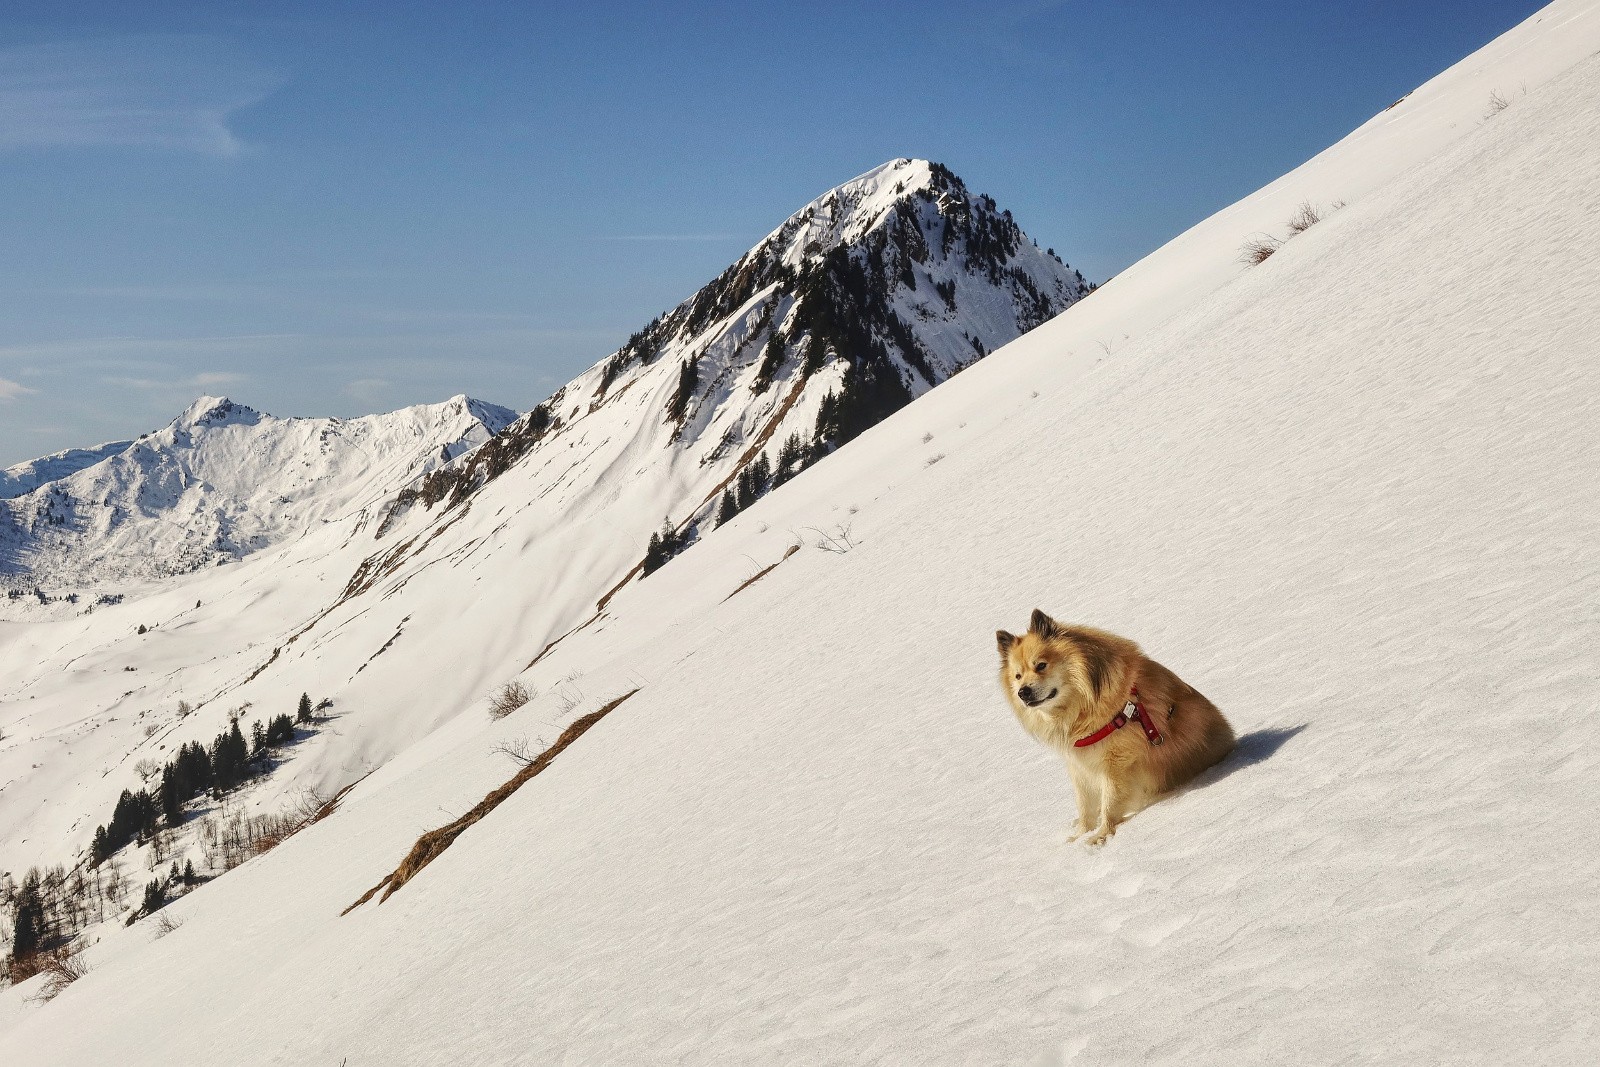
1075 688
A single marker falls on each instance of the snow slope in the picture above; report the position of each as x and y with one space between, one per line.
1349 493
219 482
26 477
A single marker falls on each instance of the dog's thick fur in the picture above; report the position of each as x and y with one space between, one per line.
1066 682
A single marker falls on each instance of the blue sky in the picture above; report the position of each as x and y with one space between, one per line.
335 208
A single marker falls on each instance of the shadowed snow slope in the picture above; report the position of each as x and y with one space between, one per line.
1349 493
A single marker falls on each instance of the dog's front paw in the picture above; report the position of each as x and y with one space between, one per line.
1098 837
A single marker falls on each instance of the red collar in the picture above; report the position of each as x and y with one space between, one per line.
1132 710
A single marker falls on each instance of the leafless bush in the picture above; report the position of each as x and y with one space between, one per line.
1497 104
160 847
1305 216
146 769
1257 248
60 967
838 542
521 750
233 838
508 698
931 460
150 731
184 708
165 923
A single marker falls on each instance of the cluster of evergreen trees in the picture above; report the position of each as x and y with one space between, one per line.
196 769
664 544
156 890
762 476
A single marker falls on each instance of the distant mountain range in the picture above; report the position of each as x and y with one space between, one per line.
862 300
217 483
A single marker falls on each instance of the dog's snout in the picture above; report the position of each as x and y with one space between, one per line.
1026 693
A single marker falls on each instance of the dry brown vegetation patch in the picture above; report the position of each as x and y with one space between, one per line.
60 967
760 574
431 844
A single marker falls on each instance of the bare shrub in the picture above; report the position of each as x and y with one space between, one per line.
165 923
931 460
1305 216
1497 103
1257 248
521 750
146 769
313 805
838 542
508 698
60 967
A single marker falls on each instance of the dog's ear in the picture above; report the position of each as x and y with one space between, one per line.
1042 624
1005 642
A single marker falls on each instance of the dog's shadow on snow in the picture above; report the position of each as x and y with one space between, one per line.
1255 747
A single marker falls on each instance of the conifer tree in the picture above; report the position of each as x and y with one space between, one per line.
304 712
27 930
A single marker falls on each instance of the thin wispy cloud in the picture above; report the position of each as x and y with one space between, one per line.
10 390
142 357
175 92
180 385
368 390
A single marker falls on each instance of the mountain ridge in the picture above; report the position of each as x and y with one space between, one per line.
218 482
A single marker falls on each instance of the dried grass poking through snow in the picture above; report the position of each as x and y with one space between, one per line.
431 844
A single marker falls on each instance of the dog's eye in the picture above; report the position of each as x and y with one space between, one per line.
1040 666
1019 674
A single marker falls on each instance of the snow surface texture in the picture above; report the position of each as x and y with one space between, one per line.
1348 493
217 483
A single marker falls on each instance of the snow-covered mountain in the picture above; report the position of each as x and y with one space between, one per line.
859 302
864 299
1348 492
26 477
217 483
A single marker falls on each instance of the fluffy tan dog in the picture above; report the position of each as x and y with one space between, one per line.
1129 729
